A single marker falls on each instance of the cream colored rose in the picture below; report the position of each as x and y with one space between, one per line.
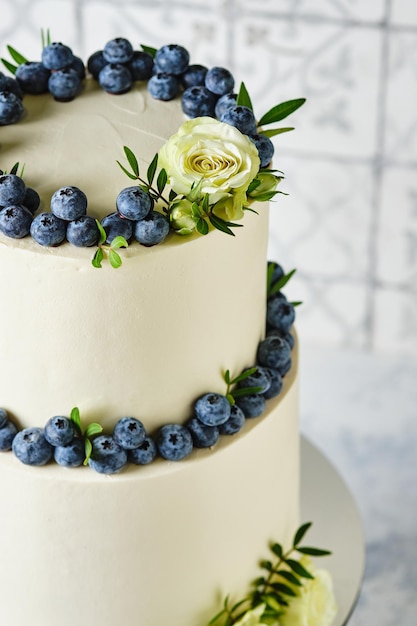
253 617
217 154
315 603
181 217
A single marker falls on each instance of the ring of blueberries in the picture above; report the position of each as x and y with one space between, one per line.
214 414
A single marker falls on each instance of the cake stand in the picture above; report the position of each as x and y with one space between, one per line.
328 503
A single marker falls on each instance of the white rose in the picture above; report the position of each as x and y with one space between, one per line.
253 617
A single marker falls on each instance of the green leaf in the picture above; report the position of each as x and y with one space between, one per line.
227 378
172 195
161 181
244 375
118 242
152 169
216 617
129 174
114 258
277 286
254 184
103 234
15 168
88 448
12 68
46 38
304 527
297 303
298 568
76 419
313 551
280 111
98 258
277 550
267 196
281 588
221 225
16 56
243 98
230 399
245 391
272 602
202 226
258 582
93 429
271 132
267 565
149 50
290 577
132 161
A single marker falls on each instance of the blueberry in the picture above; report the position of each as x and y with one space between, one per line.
273 332
33 77
7 83
280 313
212 409
220 81
31 447
11 108
172 59
143 454
252 405
240 117
95 63
12 190
59 430
275 383
273 352
115 78
285 367
72 454
3 417
163 86
141 65
277 271
64 85
7 433
129 433
223 103
259 378
48 230
198 102
203 436
235 422
83 232
78 66
194 76
15 221
265 148
118 50
174 442
133 203
56 56
69 203
107 456
116 226
31 200
152 230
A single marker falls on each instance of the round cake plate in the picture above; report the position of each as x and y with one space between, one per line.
328 503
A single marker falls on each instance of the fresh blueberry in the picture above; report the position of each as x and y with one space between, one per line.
240 117
31 200
133 203
129 433
252 405
172 59
143 454
72 454
141 65
12 190
223 103
15 221
220 81
259 378
152 230
198 102
203 436
235 422
265 148
69 203
275 383
3 417
107 456
33 77
212 409
174 442
78 66
7 83
285 367
7 433
64 84
48 230
273 332
163 86
95 63
59 430
83 232
56 56
280 313
194 76
115 78
118 50
11 108
116 226
31 447
273 352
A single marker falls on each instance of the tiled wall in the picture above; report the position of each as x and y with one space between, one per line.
349 223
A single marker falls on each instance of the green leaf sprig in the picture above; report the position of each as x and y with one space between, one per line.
233 392
14 170
273 287
275 587
18 58
108 250
90 431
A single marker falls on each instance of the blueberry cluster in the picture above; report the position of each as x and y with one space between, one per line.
11 106
214 415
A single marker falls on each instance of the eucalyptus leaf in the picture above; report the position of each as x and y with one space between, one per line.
280 111
152 169
299 535
272 132
98 258
132 160
243 98
114 258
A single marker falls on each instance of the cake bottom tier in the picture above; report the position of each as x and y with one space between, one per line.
155 545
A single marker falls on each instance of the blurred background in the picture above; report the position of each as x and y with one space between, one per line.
348 224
